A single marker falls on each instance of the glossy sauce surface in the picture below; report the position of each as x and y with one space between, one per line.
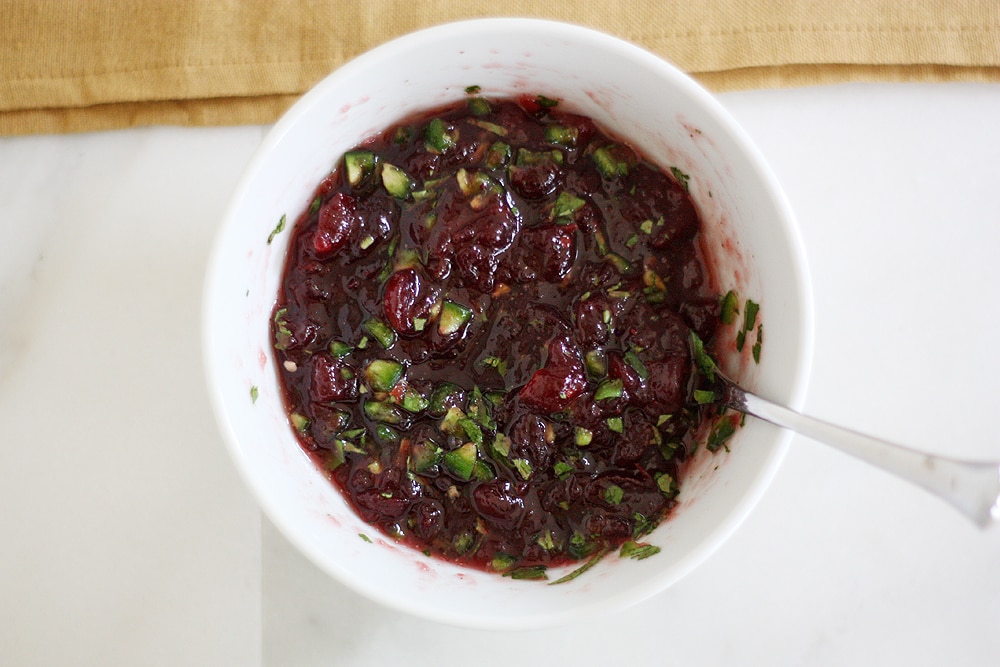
483 333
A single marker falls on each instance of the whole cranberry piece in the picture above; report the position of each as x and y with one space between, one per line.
562 379
337 220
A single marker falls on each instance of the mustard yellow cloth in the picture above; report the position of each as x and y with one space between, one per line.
79 65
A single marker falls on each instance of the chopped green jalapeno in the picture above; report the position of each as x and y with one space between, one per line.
383 374
395 181
462 461
439 137
358 164
564 136
479 106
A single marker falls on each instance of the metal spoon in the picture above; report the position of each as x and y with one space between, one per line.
973 487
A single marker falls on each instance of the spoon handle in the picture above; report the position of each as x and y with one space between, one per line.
973 487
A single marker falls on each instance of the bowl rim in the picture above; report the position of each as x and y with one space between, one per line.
798 267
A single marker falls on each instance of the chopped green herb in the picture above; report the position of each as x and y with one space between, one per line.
632 359
254 393
704 362
546 102
681 177
643 525
472 90
277 230
638 550
615 424
704 396
565 206
757 343
582 436
385 433
501 445
583 568
722 431
666 484
472 430
365 538
749 320
646 227
529 572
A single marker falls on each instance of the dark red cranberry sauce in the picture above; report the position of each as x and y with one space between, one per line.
483 334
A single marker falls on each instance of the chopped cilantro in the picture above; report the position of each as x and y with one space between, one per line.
638 550
583 568
530 572
703 396
704 362
253 394
277 230
722 431
681 177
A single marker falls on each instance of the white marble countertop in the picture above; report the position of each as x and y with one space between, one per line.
129 539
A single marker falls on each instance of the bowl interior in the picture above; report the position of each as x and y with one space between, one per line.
752 242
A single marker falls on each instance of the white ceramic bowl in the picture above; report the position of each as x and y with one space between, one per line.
752 240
